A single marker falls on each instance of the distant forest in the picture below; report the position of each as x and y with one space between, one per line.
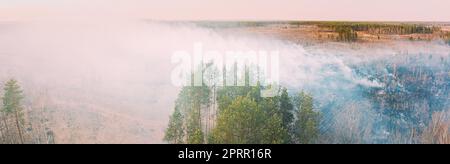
347 31
344 31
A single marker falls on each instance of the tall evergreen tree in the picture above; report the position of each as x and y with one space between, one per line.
195 133
15 128
306 126
246 122
286 109
175 132
12 106
186 121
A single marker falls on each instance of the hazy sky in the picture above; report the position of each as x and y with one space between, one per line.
390 10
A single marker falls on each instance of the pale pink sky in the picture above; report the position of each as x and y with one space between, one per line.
370 10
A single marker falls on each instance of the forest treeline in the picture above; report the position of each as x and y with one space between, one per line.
345 31
233 114
446 37
381 28
18 125
348 31
239 115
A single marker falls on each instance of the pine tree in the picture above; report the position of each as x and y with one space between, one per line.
194 125
306 126
185 124
12 106
247 122
15 127
286 109
175 132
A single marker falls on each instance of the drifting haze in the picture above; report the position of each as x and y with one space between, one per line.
108 74
109 82
367 10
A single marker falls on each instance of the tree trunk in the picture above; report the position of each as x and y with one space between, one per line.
18 128
2 138
7 130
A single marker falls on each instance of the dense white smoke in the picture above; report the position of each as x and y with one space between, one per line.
123 68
